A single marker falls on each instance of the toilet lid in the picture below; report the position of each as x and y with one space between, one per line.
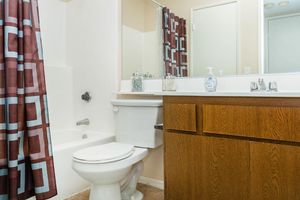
105 153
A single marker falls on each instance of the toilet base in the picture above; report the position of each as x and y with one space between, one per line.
111 192
105 192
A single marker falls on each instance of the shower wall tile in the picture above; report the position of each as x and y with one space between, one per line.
92 51
59 76
60 97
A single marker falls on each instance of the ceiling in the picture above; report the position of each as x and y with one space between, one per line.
275 10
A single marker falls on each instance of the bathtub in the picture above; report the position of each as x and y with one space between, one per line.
65 143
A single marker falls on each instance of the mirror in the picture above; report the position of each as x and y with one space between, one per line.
183 38
282 36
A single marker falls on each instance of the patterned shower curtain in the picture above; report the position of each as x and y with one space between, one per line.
175 44
26 160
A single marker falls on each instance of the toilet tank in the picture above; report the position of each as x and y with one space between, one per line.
135 120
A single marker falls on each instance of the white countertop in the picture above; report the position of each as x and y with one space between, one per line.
236 86
217 94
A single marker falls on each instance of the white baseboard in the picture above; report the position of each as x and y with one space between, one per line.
152 182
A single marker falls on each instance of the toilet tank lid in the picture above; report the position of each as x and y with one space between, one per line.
137 102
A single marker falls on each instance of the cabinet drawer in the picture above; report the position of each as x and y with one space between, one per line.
180 117
276 123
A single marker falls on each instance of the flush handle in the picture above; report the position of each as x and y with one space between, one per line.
115 109
159 126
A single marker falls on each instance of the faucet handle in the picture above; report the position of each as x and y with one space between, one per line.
253 86
86 97
273 86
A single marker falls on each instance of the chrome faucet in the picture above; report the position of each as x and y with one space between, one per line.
83 122
261 86
258 86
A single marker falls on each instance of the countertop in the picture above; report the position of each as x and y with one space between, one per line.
216 94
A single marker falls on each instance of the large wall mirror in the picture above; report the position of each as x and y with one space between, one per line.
184 38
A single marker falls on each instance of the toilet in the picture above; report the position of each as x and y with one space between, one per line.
113 169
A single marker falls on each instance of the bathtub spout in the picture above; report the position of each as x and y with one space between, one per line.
83 122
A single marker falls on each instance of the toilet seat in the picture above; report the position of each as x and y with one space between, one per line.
106 153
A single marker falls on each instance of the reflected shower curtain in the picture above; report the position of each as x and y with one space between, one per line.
175 44
26 160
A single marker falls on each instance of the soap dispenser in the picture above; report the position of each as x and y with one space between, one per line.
211 81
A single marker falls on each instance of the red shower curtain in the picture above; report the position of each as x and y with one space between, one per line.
26 160
175 44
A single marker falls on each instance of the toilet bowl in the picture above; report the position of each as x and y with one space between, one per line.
106 166
113 169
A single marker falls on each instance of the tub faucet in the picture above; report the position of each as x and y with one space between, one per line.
83 122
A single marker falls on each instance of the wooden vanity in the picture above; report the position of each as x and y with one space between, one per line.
232 148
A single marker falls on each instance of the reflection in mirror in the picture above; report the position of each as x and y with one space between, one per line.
142 42
154 40
282 36
184 38
175 44
214 39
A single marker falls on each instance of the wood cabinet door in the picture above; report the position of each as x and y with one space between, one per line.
275 171
205 168
225 169
267 122
182 166
180 117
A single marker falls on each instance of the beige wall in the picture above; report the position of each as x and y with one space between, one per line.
133 14
154 167
139 14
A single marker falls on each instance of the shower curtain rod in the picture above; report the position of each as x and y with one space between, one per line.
157 3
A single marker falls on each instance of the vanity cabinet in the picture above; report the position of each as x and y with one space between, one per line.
232 148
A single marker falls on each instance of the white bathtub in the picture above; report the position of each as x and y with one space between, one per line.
65 143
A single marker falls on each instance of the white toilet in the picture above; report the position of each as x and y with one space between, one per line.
113 169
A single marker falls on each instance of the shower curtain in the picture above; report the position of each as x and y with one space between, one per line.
26 160
175 44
